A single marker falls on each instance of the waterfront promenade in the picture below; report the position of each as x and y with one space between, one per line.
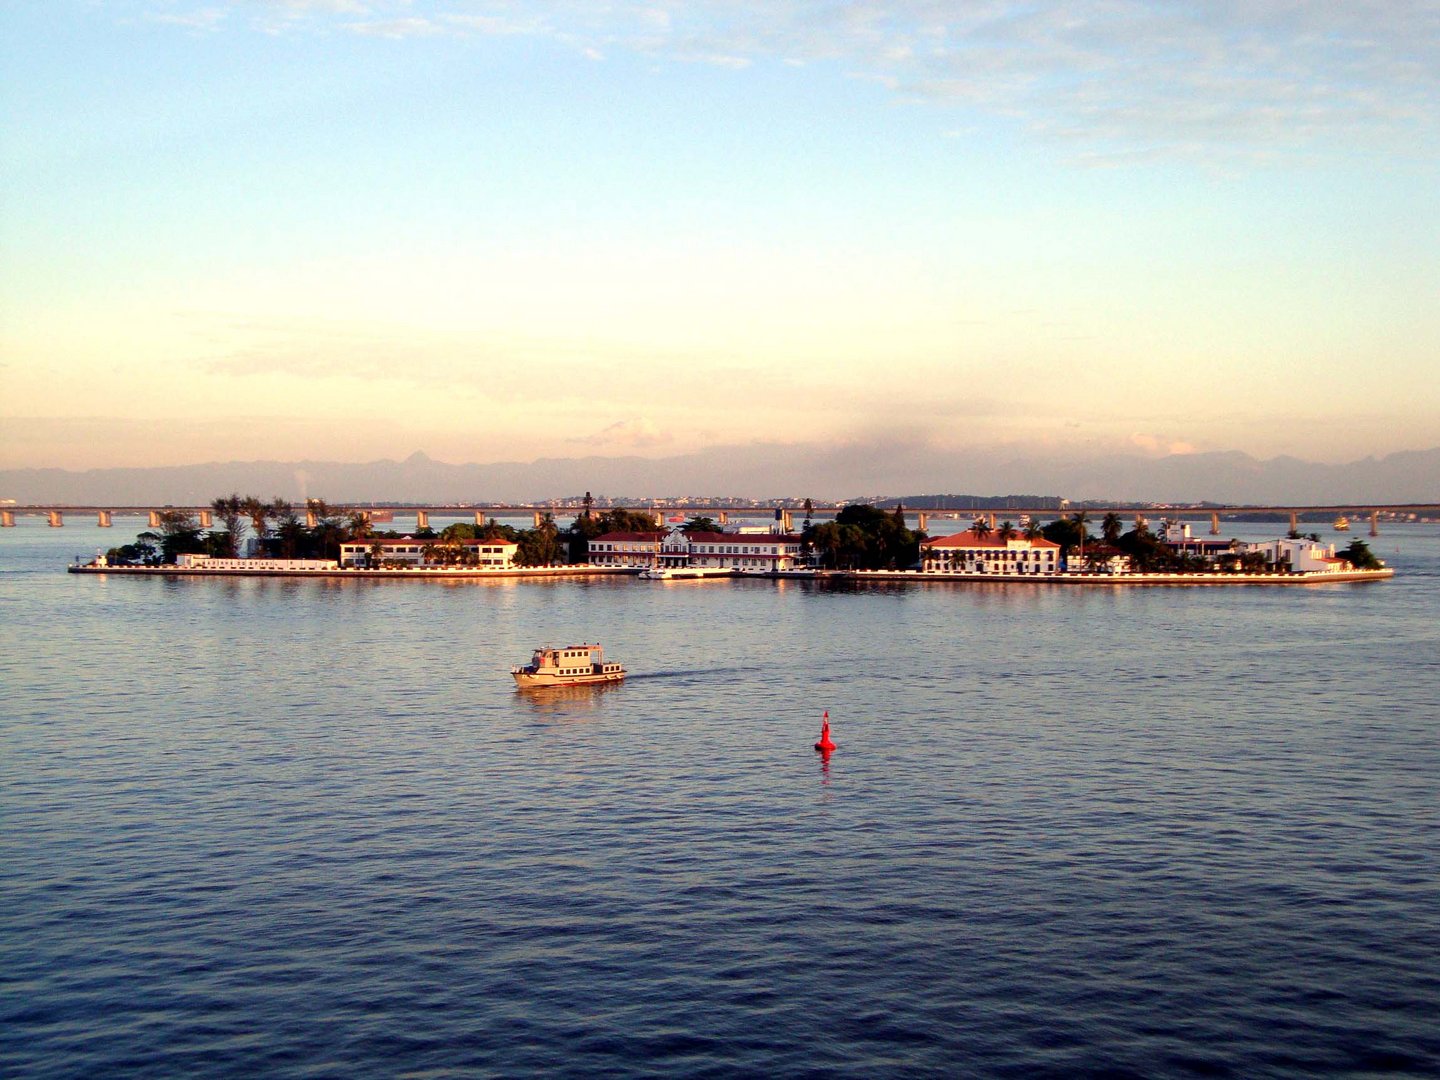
581 570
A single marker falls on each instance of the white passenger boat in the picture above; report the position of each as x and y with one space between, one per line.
574 665
657 573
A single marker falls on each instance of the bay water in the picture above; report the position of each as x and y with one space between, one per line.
274 827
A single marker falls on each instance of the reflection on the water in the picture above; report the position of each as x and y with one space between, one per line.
566 702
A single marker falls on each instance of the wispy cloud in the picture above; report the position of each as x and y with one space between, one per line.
635 434
1120 79
1161 446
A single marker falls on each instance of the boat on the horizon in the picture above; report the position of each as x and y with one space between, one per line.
574 665
1342 524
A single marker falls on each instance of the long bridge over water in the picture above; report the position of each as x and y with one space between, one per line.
785 515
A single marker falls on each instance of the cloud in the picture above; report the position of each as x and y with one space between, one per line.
1120 80
208 18
1160 446
395 29
636 434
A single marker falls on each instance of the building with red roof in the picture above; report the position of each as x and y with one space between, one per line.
970 553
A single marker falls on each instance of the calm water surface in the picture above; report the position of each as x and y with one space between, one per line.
268 827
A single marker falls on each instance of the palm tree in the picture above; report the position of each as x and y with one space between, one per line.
981 528
1034 530
1007 532
1111 528
259 513
1081 519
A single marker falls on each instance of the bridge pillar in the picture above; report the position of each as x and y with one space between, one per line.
480 517
1214 524
103 519
154 519
310 519
992 519
207 519
57 519
422 519
787 522
539 517
7 519
724 517
1374 522
659 518
1141 521
1294 521
922 521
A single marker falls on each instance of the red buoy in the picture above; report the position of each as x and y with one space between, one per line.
825 745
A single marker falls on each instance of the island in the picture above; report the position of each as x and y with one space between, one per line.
248 536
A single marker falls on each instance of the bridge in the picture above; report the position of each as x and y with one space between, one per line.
204 515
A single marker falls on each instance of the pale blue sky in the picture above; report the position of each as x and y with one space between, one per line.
355 228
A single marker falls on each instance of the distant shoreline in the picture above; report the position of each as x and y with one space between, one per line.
582 570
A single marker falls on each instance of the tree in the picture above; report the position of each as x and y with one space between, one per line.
864 537
981 528
540 546
459 532
141 553
1006 532
1033 529
260 514
230 509
1359 555
179 535
1146 551
700 524
359 526
291 537
1066 532
1111 528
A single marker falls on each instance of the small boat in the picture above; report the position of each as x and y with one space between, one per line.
656 573
1342 524
574 665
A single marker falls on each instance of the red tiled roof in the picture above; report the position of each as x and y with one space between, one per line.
410 541
742 538
968 539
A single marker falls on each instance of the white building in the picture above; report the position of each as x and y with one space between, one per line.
207 562
1179 539
488 554
967 553
1301 556
744 550
702 550
625 549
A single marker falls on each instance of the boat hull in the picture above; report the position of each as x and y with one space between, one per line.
529 680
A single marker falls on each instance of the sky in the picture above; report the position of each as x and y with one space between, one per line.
501 231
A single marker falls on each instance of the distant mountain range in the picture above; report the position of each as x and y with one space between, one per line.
760 471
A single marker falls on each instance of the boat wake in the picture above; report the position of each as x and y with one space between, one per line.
691 673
